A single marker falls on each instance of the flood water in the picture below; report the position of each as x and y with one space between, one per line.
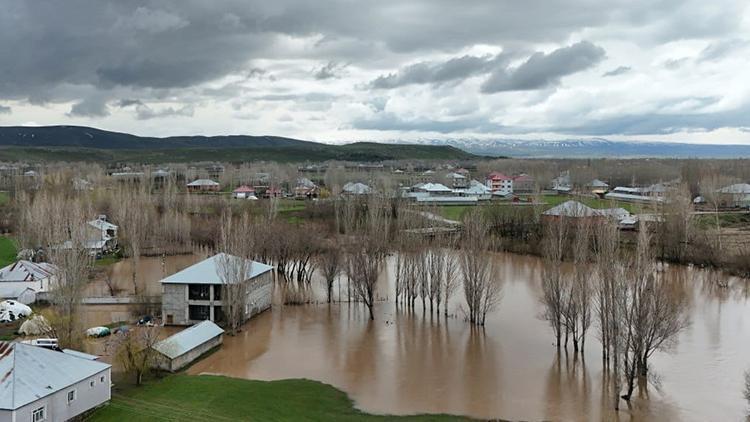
406 362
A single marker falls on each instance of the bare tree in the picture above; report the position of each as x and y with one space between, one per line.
747 386
134 350
234 269
553 280
451 279
331 264
481 291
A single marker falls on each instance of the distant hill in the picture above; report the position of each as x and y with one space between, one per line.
589 148
78 143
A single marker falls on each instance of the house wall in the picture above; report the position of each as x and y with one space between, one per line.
175 300
174 365
57 407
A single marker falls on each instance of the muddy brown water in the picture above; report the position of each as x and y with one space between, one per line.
407 362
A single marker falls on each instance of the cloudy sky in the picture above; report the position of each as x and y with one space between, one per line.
403 69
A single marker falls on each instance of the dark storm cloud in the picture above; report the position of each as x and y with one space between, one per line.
90 107
5 109
145 112
544 70
439 72
618 71
329 71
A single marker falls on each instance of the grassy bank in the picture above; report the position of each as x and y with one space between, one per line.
4 198
205 397
8 251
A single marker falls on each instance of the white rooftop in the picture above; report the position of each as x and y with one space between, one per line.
434 187
571 209
188 339
29 373
207 272
736 188
26 271
203 182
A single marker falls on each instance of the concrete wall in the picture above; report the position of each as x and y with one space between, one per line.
57 406
185 359
175 300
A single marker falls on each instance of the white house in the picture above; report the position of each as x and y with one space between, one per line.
22 280
195 293
357 188
183 348
40 385
737 195
244 192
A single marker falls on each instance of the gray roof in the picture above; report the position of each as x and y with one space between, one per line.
207 272
736 188
357 188
26 271
188 339
28 373
571 209
203 182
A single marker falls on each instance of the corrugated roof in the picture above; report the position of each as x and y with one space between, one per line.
26 271
28 373
571 209
357 188
188 339
207 272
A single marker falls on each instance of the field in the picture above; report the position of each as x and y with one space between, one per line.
205 397
4 198
7 251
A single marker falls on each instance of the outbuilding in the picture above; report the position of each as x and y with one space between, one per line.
185 347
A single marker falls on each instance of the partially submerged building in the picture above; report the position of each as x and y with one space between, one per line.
39 384
23 280
195 293
183 348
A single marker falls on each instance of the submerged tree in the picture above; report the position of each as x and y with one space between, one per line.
234 267
554 288
481 290
134 350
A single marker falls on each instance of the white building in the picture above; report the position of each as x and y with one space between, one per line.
22 280
357 188
183 348
41 385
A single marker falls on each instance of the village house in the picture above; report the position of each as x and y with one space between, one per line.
524 184
101 235
203 185
194 294
735 196
576 210
47 385
356 189
457 180
475 189
650 194
561 184
182 349
244 192
597 187
499 183
23 280
305 189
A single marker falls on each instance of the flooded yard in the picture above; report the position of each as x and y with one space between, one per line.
409 362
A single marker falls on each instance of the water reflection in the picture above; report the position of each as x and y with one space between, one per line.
409 362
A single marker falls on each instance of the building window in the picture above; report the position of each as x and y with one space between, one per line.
101 379
71 396
217 292
91 383
198 292
38 415
199 312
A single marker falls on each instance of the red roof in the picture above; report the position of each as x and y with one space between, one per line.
244 189
498 176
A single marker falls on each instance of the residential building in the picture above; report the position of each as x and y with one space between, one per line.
597 187
524 183
244 192
651 194
305 188
457 180
561 183
475 189
181 349
737 195
356 189
498 182
101 235
194 294
47 385
22 280
203 185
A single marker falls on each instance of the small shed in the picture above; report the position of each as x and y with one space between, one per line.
188 345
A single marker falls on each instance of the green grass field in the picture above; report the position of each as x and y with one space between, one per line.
206 397
8 251
4 198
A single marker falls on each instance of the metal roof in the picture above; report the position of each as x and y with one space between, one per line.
26 271
207 272
571 209
357 188
28 373
188 339
736 188
203 182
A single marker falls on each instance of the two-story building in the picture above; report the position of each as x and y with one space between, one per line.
499 183
195 293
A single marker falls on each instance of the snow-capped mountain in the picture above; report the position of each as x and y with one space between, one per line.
587 148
